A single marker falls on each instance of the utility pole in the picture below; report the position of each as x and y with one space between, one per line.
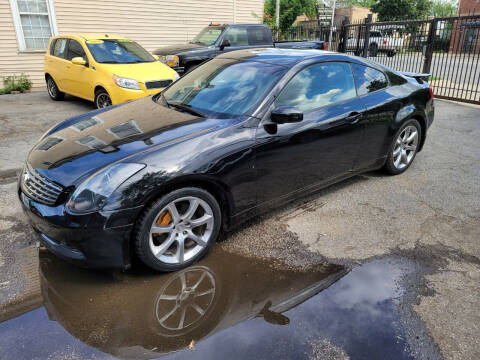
277 13
331 25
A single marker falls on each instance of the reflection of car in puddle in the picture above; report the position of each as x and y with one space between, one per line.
144 315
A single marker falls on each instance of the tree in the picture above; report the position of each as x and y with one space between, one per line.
289 10
391 10
444 8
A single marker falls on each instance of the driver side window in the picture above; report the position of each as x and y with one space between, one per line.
317 86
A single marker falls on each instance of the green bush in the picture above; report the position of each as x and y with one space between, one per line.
16 83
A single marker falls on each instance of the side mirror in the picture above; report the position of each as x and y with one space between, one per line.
286 114
79 61
224 44
155 57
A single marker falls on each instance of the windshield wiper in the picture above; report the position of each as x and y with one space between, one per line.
183 107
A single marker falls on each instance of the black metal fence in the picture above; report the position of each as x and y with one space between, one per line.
448 48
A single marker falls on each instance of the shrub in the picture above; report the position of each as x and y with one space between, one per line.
16 83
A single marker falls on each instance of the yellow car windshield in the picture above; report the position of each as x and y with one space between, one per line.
119 51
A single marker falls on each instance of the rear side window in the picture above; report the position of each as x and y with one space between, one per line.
258 35
368 79
237 36
60 48
318 85
75 50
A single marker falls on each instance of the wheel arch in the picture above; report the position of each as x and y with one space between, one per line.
215 187
99 87
423 124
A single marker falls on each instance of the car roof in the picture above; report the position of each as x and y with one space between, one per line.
92 36
287 57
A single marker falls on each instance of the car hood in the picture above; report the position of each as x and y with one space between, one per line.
142 71
80 146
175 49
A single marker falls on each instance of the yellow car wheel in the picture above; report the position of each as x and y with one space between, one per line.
102 99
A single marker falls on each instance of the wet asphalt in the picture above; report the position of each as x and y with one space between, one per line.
374 267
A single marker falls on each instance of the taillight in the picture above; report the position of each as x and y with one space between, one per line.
384 42
324 46
432 96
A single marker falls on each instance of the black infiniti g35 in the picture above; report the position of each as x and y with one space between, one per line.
159 178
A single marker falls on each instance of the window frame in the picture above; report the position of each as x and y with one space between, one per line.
19 29
389 84
318 63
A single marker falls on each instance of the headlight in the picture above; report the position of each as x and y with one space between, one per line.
172 60
176 77
126 83
93 193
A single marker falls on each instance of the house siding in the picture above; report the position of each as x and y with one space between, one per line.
151 23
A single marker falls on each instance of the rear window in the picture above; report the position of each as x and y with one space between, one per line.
368 79
258 35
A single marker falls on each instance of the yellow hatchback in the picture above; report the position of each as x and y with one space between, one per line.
105 69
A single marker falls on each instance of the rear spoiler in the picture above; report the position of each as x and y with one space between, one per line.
421 78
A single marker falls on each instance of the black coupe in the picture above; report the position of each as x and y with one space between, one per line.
159 178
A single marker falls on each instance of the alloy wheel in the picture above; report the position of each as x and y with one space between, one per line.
181 230
52 88
103 100
405 147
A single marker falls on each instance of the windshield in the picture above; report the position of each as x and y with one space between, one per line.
225 86
207 36
119 51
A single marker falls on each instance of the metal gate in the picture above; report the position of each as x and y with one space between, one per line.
448 48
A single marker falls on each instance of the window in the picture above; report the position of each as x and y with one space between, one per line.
75 50
86 123
118 51
91 141
318 85
237 36
368 79
207 36
225 86
59 48
49 143
126 129
258 35
34 23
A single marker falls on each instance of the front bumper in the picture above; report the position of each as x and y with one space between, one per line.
96 240
120 95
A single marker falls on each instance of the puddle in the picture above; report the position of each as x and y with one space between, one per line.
225 307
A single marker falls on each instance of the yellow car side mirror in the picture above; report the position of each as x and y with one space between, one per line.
79 61
156 57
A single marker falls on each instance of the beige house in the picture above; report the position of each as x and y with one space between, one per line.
26 25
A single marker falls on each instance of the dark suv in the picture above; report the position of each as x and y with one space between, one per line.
218 39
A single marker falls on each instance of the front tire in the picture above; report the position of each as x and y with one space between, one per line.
404 147
373 50
53 90
102 99
178 229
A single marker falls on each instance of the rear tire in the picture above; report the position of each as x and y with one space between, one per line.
404 147
53 91
178 229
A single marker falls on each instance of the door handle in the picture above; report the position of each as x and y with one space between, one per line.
353 118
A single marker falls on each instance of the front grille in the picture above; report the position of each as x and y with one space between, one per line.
159 84
39 188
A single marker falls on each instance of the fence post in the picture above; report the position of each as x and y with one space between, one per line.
342 45
427 64
366 37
